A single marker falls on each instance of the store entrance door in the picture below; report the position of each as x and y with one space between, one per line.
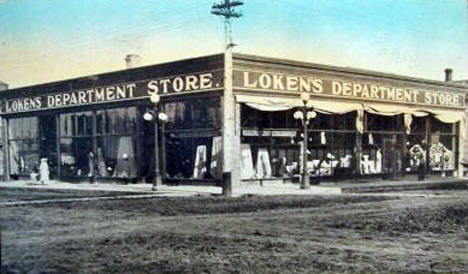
48 142
393 157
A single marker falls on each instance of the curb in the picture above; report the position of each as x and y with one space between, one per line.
447 185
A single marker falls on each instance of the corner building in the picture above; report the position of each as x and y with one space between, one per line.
234 113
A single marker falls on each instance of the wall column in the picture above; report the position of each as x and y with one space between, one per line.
231 138
460 149
6 150
57 146
428 126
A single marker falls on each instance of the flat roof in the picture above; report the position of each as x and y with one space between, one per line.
138 72
356 71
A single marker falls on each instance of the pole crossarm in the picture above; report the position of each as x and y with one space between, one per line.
226 10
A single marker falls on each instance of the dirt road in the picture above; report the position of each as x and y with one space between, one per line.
281 234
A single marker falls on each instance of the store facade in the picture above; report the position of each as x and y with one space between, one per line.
93 127
366 124
234 113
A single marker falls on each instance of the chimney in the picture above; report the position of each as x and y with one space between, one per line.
3 86
132 60
448 75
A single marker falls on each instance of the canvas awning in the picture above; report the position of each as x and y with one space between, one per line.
269 103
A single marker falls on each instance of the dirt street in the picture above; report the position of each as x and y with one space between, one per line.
277 234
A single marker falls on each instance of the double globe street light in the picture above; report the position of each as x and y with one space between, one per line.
305 113
153 116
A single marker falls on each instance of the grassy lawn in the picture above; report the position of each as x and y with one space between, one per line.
18 194
280 234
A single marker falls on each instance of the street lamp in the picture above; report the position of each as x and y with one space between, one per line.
305 113
153 116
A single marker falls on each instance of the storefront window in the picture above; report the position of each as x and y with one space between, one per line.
23 128
253 118
443 141
116 121
76 159
191 139
189 114
116 157
270 147
416 144
193 158
23 144
332 141
73 124
272 157
383 145
115 145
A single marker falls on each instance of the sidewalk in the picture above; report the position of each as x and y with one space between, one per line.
277 188
168 191
403 184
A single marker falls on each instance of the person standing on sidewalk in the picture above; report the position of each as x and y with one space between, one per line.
44 171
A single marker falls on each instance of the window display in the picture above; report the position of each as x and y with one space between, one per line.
23 144
189 114
441 150
75 157
115 148
192 142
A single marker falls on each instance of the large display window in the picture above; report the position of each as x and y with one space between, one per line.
268 146
115 143
76 144
443 144
192 139
23 143
271 144
331 145
106 151
383 145
416 144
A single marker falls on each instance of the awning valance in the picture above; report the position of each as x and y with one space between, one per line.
278 104
265 103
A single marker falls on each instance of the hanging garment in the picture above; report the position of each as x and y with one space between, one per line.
90 164
215 164
247 170
199 168
345 162
102 168
365 164
263 164
22 165
323 138
378 161
371 139
126 164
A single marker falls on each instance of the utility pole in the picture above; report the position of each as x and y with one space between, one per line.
226 9
231 141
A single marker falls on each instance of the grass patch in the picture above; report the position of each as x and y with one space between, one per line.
444 218
168 206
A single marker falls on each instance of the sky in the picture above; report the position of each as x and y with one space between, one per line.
49 40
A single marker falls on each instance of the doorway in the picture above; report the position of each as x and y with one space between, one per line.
48 142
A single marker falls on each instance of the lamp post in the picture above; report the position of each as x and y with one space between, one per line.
305 113
154 116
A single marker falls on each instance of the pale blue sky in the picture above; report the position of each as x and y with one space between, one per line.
49 40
